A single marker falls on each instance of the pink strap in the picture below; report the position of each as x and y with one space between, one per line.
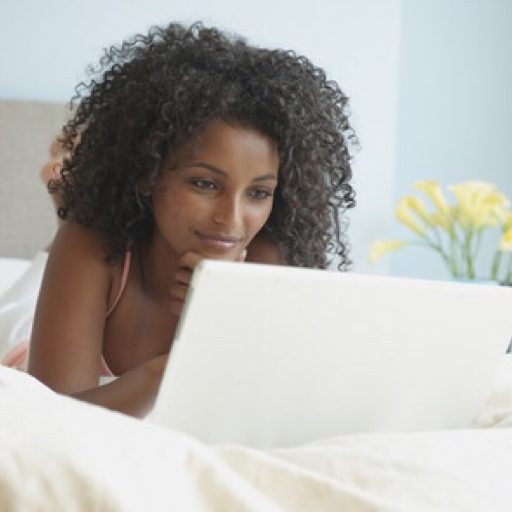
124 278
104 369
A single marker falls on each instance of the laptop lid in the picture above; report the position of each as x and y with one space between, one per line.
271 356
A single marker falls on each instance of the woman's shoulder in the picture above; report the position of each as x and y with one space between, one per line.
77 249
73 234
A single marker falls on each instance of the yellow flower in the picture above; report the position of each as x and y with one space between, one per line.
380 247
418 205
506 241
439 220
404 214
432 189
503 217
469 196
479 203
497 199
495 205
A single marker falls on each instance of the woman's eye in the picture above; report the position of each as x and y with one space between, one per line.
204 184
261 194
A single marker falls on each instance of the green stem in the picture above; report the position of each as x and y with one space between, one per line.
478 244
438 236
508 277
496 265
438 248
449 256
456 248
470 267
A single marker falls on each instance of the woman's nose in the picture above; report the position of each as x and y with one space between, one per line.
228 213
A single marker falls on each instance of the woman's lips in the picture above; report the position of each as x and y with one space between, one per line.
220 243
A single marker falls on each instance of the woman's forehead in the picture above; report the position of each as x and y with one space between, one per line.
220 138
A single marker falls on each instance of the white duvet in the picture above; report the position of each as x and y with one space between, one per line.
58 454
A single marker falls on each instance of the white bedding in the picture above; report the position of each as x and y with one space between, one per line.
60 454
20 281
10 270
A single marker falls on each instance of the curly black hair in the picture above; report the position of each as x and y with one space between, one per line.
155 92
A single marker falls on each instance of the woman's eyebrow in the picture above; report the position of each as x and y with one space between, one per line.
216 170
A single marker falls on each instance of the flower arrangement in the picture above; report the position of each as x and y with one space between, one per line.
455 231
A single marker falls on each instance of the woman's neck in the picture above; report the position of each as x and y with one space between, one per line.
158 264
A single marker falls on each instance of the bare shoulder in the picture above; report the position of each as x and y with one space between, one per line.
68 327
76 254
77 239
263 249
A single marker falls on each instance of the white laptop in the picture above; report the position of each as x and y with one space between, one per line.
270 356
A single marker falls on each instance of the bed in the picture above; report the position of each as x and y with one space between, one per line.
57 453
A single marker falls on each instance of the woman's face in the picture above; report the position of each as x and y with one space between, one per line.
216 193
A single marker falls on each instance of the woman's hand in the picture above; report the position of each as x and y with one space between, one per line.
187 263
134 392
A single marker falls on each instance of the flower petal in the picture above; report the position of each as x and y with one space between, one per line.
506 241
403 214
477 202
380 247
433 190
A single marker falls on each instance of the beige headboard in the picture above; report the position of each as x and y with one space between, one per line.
27 218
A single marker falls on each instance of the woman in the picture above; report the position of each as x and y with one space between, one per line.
192 145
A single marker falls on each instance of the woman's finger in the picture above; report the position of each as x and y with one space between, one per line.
190 260
242 256
176 307
183 276
178 291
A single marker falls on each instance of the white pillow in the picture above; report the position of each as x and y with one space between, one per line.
18 302
11 269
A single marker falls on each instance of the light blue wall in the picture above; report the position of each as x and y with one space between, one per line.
454 108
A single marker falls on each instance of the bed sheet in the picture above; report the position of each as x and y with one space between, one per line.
21 282
57 453
10 270
60 454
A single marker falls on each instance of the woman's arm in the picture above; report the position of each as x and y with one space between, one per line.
133 393
67 336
